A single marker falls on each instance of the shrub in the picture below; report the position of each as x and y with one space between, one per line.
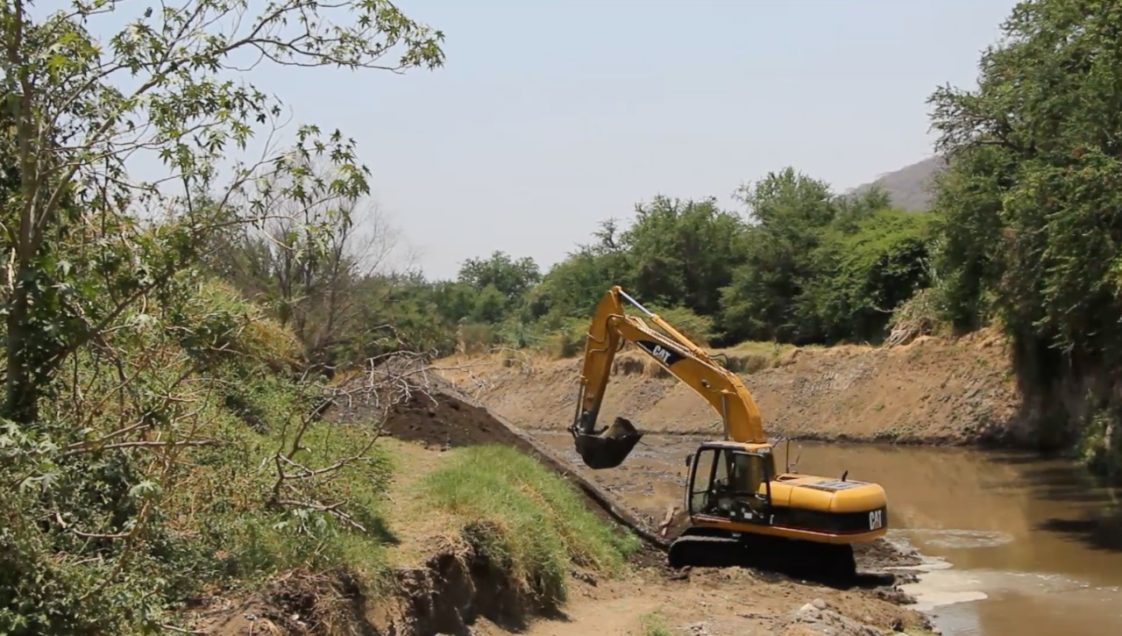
919 315
568 340
475 338
654 625
697 328
1100 443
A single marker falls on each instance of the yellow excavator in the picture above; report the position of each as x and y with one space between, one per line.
734 494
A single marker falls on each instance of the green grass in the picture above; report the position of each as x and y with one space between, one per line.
526 519
654 625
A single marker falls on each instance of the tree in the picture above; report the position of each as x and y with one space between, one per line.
511 278
79 110
861 271
306 265
1031 198
787 210
683 252
1032 212
573 286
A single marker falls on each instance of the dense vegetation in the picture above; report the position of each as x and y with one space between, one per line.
170 345
801 265
159 435
1033 212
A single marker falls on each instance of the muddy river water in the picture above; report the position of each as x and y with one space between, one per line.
1014 544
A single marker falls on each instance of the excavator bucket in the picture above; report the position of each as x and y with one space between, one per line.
610 447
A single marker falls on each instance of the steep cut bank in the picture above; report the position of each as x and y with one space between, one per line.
931 391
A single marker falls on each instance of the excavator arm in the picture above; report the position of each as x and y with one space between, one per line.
610 329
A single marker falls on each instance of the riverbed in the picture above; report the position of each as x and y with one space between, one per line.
1012 543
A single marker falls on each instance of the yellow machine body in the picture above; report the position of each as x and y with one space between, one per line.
733 488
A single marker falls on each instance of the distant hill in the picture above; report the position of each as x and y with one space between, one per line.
909 186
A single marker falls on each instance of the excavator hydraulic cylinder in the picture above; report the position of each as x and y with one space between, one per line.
609 448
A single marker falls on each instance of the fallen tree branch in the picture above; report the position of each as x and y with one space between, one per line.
145 444
333 509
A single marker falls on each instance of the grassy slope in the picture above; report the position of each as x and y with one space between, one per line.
210 530
520 514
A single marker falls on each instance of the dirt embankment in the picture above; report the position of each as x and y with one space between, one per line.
702 601
929 391
439 585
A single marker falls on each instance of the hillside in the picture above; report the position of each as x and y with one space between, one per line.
909 186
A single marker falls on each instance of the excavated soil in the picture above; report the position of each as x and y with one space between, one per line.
447 422
930 391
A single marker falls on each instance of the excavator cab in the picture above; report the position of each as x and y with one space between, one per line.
730 482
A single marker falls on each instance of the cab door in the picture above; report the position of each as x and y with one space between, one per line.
727 483
699 492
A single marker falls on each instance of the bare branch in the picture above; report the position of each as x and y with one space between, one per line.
146 444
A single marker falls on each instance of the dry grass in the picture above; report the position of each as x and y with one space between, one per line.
752 356
417 524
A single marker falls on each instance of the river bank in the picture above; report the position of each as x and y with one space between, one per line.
930 391
440 580
1009 542
696 601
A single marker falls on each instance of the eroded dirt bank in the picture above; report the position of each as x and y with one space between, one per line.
440 585
714 601
929 391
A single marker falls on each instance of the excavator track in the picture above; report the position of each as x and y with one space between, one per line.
708 547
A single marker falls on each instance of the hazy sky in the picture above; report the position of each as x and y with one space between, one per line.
549 117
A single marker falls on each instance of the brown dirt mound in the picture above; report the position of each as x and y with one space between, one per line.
448 422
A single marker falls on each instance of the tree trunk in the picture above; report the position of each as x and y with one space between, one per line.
22 398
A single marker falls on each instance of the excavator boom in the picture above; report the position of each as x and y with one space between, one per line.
610 329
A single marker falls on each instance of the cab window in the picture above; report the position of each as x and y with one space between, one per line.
720 476
702 476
